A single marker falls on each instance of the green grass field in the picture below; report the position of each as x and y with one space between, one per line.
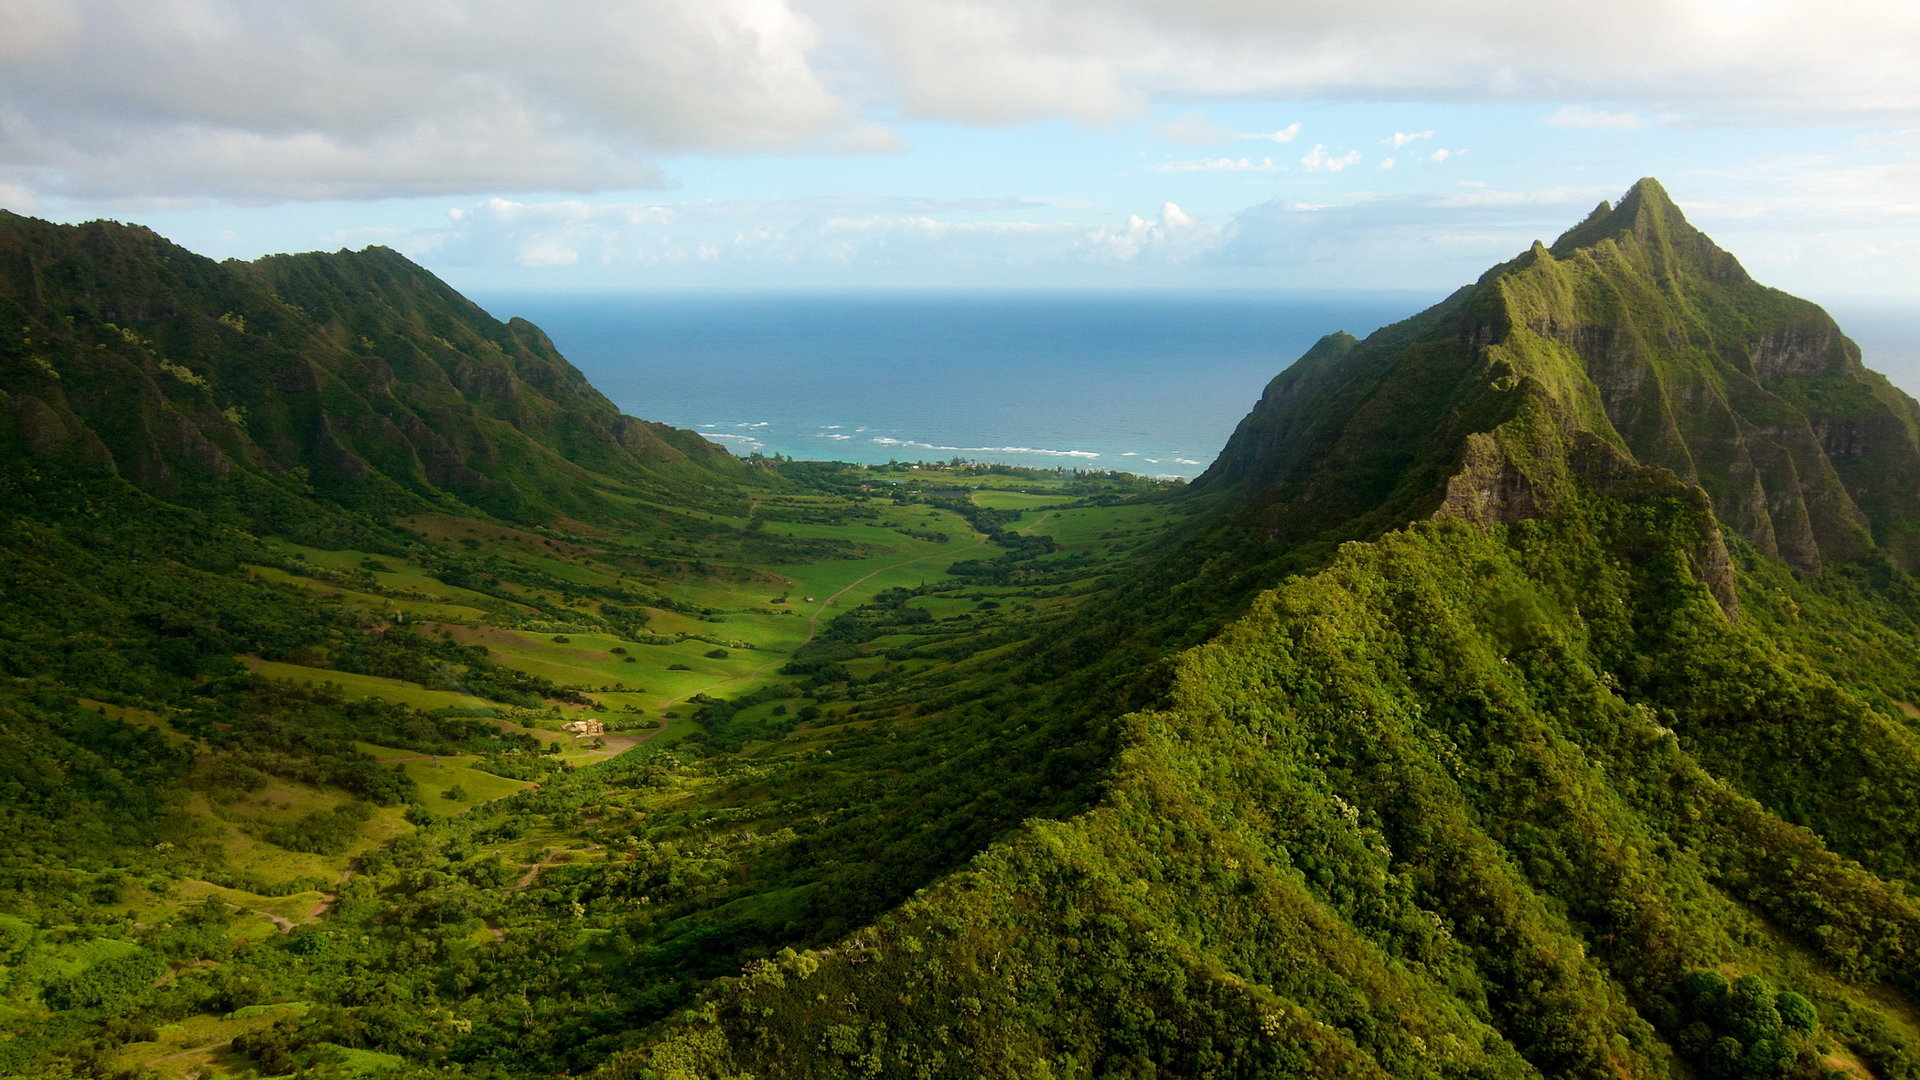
372 602
996 499
355 687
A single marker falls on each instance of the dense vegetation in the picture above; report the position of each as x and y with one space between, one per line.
1482 712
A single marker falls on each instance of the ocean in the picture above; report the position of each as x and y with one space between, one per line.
1150 383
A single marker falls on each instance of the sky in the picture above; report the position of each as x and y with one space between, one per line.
776 144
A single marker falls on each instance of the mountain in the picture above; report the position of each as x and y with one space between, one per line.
357 375
1632 351
1576 735
1634 340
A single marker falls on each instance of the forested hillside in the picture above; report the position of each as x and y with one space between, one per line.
1527 766
355 376
1528 690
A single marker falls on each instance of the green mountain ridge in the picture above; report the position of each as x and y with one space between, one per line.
1634 334
356 374
1486 793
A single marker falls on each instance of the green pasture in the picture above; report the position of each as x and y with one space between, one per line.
294 908
928 562
254 856
400 574
438 776
1090 525
577 573
587 659
999 499
355 687
371 602
198 1044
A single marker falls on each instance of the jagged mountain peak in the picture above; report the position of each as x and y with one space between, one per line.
1647 218
1634 335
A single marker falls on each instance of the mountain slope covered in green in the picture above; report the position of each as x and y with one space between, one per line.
356 376
1634 329
1543 768
285 749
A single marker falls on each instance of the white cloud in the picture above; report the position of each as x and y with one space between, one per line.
1579 116
1194 129
320 99
1441 155
1388 163
1824 227
350 98
1320 158
1835 231
994 61
1400 138
854 232
1218 165
1284 135
1173 217
17 199
1401 240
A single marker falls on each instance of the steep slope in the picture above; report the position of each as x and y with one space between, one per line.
1532 763
357 374
1633 329
1471 801
1633 351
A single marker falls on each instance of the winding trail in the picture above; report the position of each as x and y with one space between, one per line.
546 860
327 898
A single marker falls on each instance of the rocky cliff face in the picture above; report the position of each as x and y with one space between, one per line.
1632 332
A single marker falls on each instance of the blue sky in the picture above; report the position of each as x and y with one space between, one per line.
861 143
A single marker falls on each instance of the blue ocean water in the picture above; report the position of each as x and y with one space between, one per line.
1150 383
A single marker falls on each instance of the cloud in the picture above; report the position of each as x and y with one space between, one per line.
324 99
1388 163
1579 116
1824 227
996 61
1805 227
1284 135
18 199
849 232
1831 231
1194 129
1218 165
316 99
1400 138
1368 241
1319 158
1371 241
1441 155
